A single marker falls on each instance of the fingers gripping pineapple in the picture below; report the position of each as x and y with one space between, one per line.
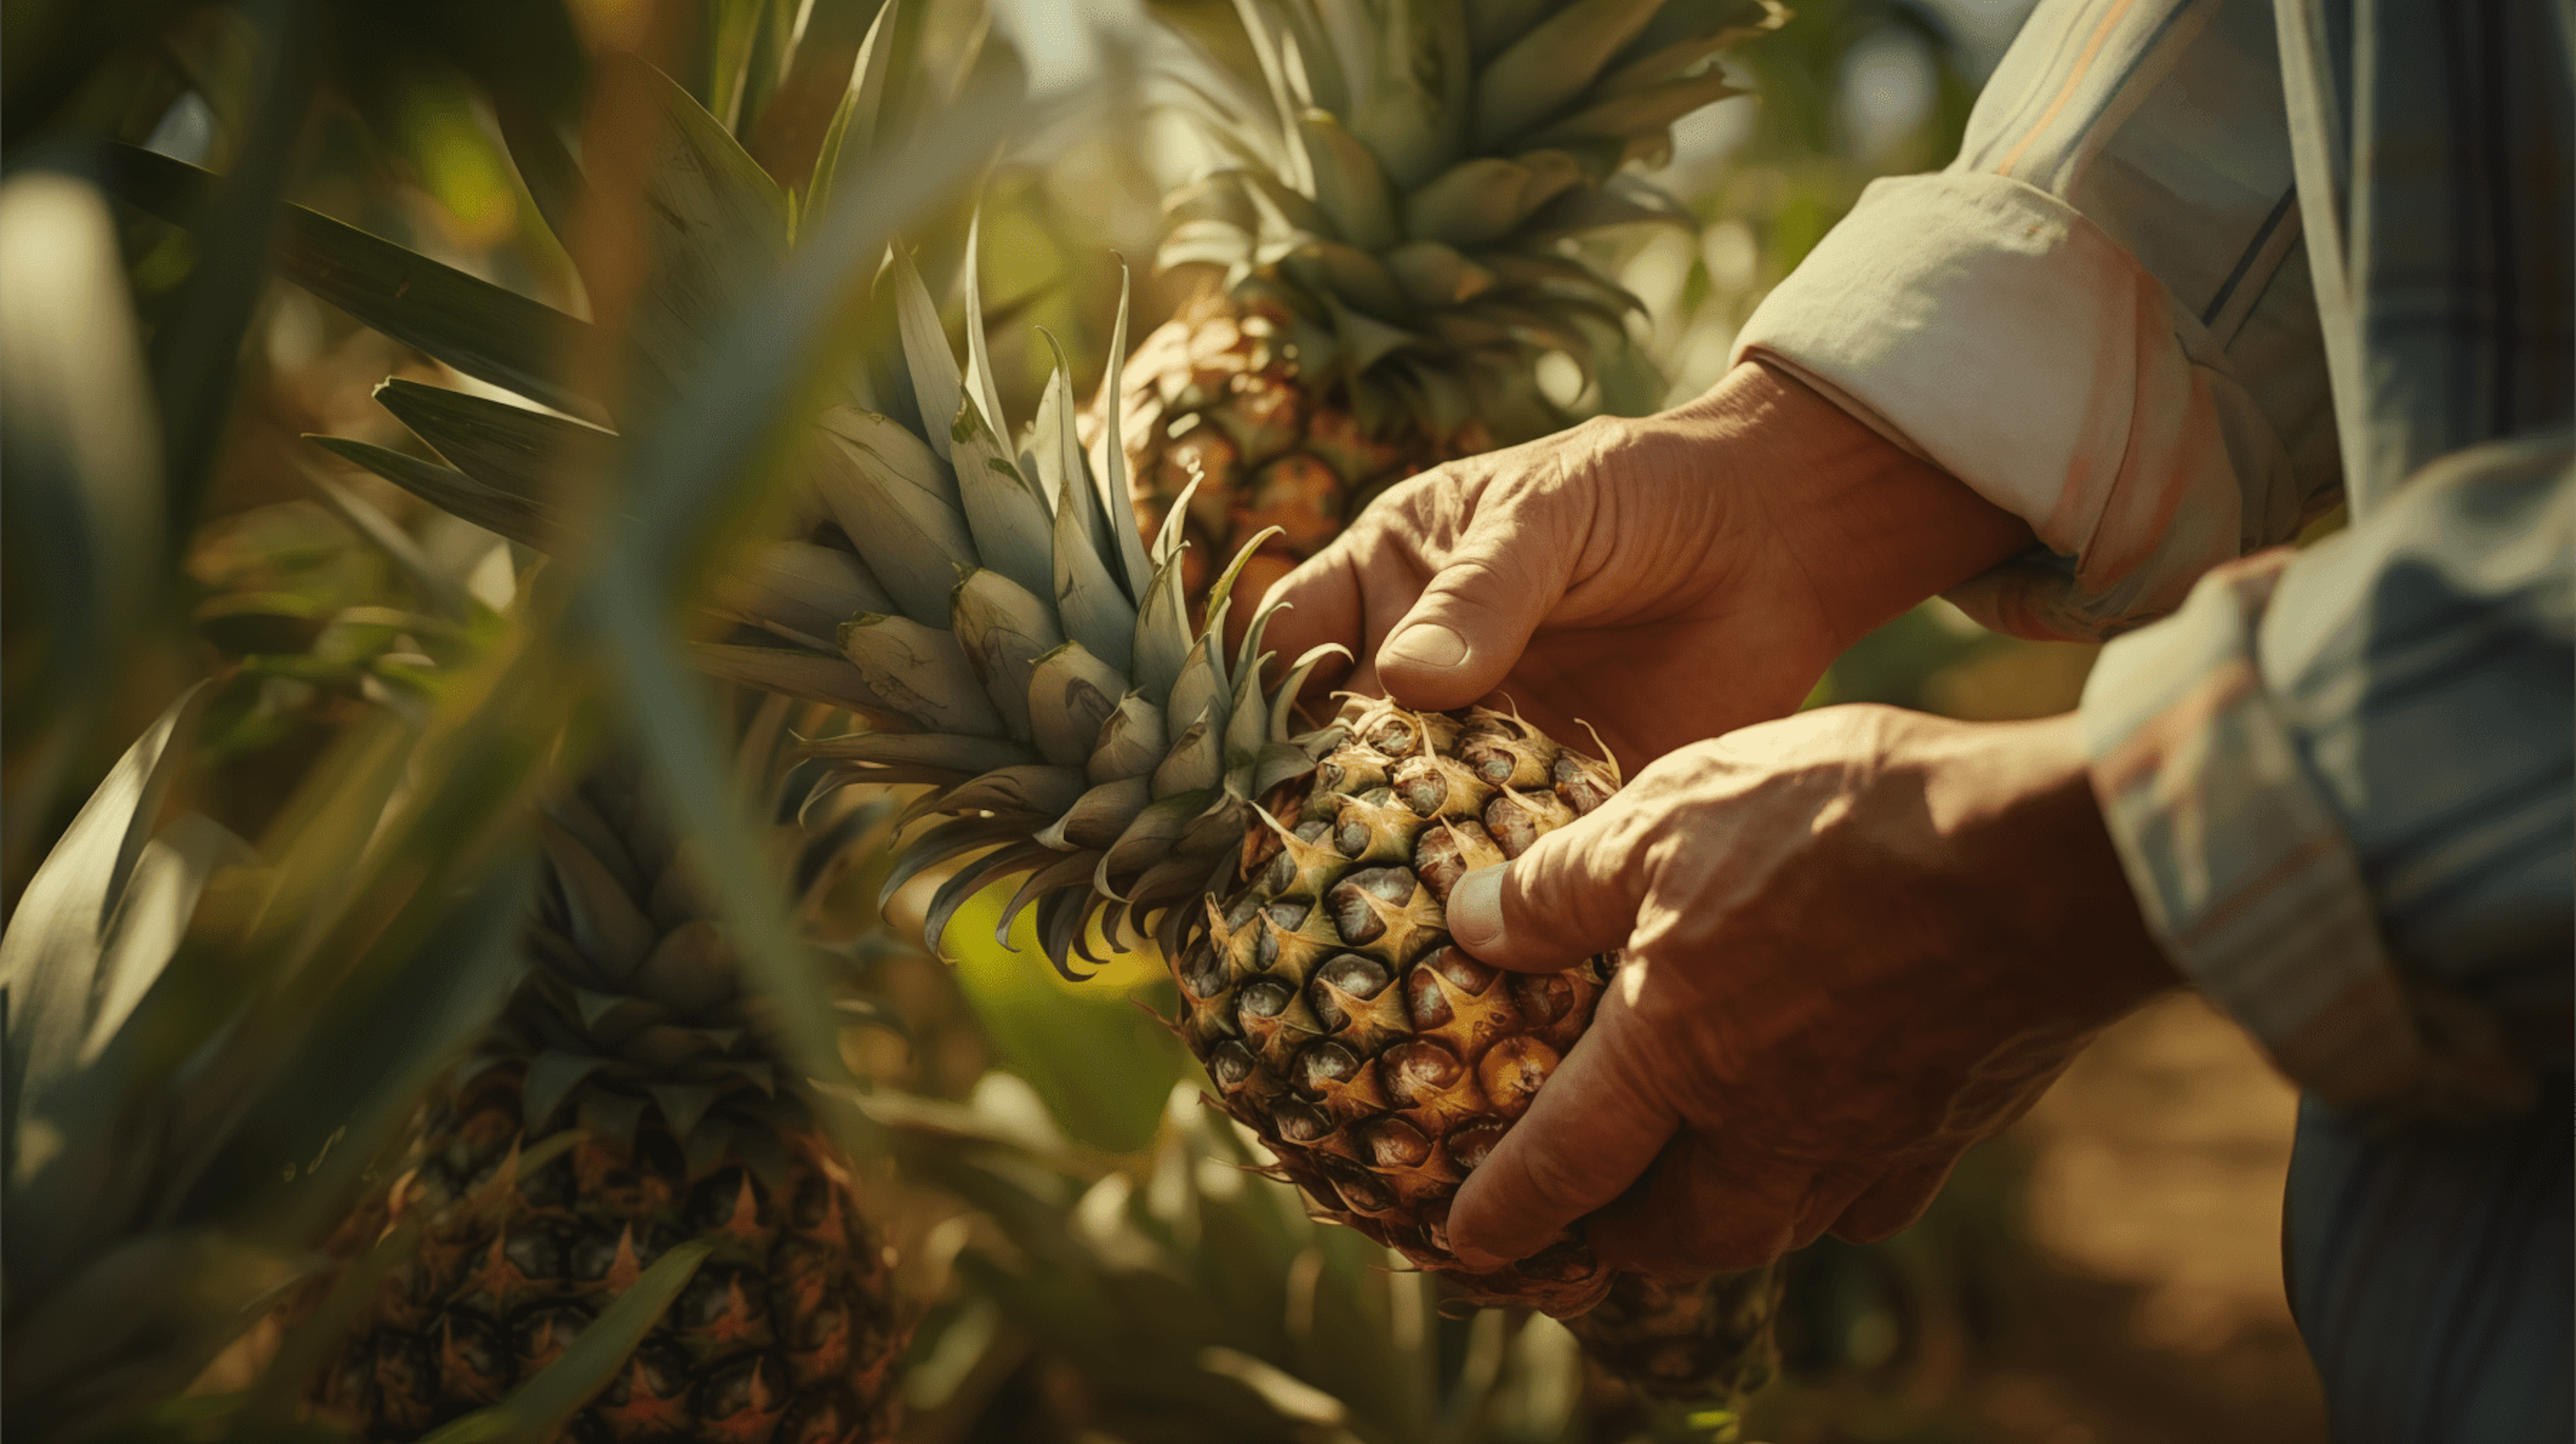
1390 245
625 1103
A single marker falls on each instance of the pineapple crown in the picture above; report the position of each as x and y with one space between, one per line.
637 1005
1025 655
988 608
1404 171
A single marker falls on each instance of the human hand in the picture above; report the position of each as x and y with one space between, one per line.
1663 579
1857 940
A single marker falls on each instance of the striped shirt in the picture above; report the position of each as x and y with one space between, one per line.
2203 270
2199 274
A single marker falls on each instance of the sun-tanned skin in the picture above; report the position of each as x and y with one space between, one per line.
1859 939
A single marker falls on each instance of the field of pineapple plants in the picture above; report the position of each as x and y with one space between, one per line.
643 799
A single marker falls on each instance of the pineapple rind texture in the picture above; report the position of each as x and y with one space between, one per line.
625 1103
1707 1339
785 1334
1377 1059
1212 397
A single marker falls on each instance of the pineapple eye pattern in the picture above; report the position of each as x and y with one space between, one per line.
1380 1061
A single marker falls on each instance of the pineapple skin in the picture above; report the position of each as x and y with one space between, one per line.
785 1335
1687 1341
533 1197
1215 395
1375 1058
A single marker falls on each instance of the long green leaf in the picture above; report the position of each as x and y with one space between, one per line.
712 225
197 348
486 332
541 1407
511 449
1555 62
454 492
50 956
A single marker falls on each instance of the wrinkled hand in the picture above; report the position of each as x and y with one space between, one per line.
1663 579
1858 940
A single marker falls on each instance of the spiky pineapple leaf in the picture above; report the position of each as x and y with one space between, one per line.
540 1408
526 454
452 491
713 225
1552 63
70 963
489 333
851 138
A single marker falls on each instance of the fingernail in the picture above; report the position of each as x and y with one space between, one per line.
1476 911
1426 644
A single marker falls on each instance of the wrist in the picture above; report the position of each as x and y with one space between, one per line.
1865 527
2017 801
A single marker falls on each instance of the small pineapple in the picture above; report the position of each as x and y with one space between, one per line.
1394 252
624 1104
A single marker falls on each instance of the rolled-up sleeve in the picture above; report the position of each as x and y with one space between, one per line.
2344 785
2098 317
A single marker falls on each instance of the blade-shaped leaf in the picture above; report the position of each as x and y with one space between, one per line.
508 448
851 139
1109 461
922 673
1350 185
714 224
1014 532
1004 629
898 505
1071 694
50 956
823 677
486 332
452 491
979 360
936 384
1553 63
802 588
540 1408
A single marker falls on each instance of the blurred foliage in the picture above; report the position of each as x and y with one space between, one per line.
1180 1293
296 901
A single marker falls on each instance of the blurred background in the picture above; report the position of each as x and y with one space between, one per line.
2105 1273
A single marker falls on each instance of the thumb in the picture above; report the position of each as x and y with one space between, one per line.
1461 637
1576 892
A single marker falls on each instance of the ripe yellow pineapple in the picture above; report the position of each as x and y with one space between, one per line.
1392 249
625 1103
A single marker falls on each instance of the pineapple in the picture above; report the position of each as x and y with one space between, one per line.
1043 679
1393 250
623 1104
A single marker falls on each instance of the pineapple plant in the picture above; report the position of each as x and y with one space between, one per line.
1076 703
626 1102
1392 250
